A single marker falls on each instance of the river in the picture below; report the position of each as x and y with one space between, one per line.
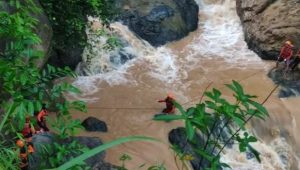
216 53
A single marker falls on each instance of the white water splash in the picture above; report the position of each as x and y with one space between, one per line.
100 67
222 36
277 155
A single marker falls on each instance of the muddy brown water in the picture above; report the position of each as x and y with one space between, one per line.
216 53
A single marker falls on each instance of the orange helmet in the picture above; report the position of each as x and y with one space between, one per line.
20 143
289 43
170 95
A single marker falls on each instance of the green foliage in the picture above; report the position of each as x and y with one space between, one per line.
25 87
8 158
112 43
157 167
69 19
94 151
123 159
206 116
61 153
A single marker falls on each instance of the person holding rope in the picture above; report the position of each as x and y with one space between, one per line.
170 107
286 54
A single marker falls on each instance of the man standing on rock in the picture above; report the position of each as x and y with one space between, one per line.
286 54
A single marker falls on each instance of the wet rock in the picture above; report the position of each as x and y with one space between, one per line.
89 142
249 155
67 56
178 138
40 142
269 23
99 56
121 57
159 22
94 124
289 82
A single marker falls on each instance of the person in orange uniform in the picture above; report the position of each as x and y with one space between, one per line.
41 119
28 130
170 107
286 54
24 154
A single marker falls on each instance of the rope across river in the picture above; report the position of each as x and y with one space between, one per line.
188 102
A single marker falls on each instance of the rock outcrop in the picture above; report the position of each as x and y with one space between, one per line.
159 21
93 124
269 23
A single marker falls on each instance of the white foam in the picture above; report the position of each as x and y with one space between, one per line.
160 61
272 157
222 36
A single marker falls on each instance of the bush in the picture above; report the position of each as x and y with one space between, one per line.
69 19
219 113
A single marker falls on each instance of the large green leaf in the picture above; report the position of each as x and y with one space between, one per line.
189 129
180 108
168 117
259 107
10 109
255 153
101 148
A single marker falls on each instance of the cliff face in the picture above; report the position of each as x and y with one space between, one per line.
269 23
160 21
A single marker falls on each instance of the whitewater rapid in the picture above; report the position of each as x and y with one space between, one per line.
216 53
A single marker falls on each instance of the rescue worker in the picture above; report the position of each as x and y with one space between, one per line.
170 107
286 53
28 130
24 154
296 61
41 119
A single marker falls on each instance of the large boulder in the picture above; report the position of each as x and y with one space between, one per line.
269 23
178 138
159 21
93 124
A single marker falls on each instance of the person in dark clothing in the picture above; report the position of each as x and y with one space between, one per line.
296 61
170 107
